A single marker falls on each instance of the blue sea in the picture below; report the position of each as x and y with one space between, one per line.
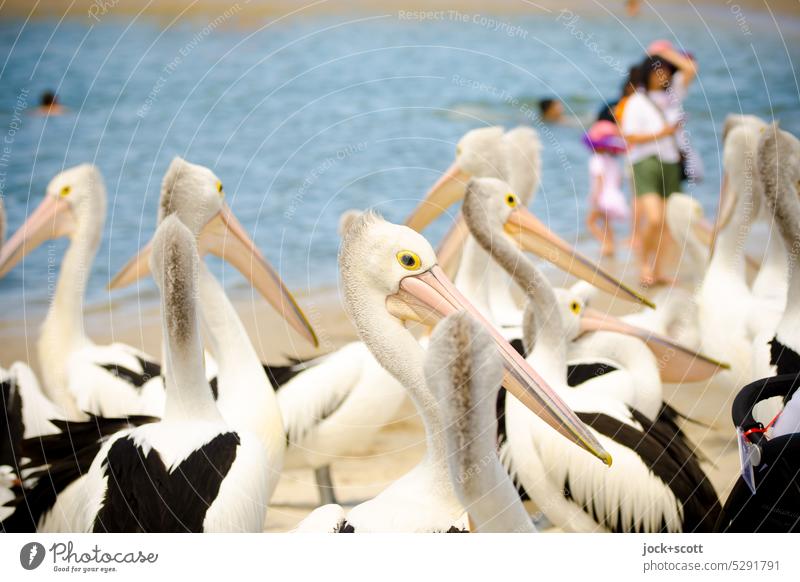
303 119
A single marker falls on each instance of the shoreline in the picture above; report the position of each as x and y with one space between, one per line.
246 14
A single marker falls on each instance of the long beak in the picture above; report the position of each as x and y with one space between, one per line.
431 296
533 236
224 237
675 362
448 189
53 218
449 251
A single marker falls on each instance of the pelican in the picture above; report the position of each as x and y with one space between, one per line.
243 391
490 152
487 152
245 396
772 506
331 407
79 376
464 371
191 471
656 483
724 298
779 167
390 276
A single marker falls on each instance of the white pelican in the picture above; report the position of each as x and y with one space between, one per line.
78 375
773 506
243 391
464 371
191 471
780 170
331 407
487 152
655 484
389 276
246 398
724 298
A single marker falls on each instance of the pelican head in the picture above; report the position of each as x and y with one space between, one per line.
676 363
390 276
74 206
480 152
196 196
491 209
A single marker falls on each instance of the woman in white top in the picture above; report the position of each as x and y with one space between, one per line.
654 154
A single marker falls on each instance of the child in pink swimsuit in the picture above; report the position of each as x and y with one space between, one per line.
606 199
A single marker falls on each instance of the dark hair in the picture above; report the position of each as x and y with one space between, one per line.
606 112
635 79
546 104
651 63
48 98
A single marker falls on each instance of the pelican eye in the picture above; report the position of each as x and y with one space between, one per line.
409 260
575 307
219 187
511 200
65 191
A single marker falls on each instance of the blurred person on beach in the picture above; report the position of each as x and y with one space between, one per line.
551 110
655 158
606 199
670 100
49 105
633 7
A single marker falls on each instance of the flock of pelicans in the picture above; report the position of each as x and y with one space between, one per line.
558 402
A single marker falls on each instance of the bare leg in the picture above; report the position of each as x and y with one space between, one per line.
652 211
608 248
322 476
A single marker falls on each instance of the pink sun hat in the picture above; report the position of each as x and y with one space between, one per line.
604 135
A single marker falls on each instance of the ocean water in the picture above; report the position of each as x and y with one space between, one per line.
303 119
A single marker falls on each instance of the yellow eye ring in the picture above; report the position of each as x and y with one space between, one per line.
575 307
409 260
511 200
219 187
65 191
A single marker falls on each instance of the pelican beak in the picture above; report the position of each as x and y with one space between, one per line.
53 218
676 363
449 250
448 189
430 296
532 235
224 237
704 231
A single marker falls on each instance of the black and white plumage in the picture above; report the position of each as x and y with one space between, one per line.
77 375
212 477
331 406
774 506
389 274
655 483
